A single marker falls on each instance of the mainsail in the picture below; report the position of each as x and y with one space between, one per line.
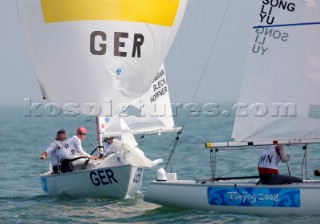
280 93
89 54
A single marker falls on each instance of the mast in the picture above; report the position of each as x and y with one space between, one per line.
99 136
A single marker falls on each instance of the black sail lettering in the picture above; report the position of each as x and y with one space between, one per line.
118 44
93 38
137 43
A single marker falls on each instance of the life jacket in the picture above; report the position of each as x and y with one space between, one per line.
269 160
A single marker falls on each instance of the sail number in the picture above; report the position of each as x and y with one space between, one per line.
102 177
98 44
138 176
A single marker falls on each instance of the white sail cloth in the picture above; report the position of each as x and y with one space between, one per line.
280 96
148 114
88 53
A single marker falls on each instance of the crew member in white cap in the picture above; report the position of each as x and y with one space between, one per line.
53 148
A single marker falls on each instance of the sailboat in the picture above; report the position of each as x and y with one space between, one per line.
279 104
104 58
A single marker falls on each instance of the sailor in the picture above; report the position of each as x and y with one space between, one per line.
109 147
53 148
267 166
71 147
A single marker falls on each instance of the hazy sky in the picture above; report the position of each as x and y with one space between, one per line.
184 63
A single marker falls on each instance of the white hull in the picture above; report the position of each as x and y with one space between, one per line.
100 179
238 196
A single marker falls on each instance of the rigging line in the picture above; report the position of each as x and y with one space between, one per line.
304 163
287 163
288 168
167 148
199 83
170 146
303 166
309 133
241 167
94 145
209 58
172 150
213 164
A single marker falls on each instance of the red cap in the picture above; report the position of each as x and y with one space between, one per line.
81 130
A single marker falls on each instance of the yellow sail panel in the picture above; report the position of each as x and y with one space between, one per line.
158 12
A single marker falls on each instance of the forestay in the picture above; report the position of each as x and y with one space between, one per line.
90 53
280 92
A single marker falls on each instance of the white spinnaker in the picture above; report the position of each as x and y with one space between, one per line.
148 114
280 95
77 62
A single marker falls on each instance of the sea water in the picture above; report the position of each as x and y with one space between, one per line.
23 138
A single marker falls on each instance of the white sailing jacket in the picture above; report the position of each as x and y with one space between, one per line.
53 149
71 147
